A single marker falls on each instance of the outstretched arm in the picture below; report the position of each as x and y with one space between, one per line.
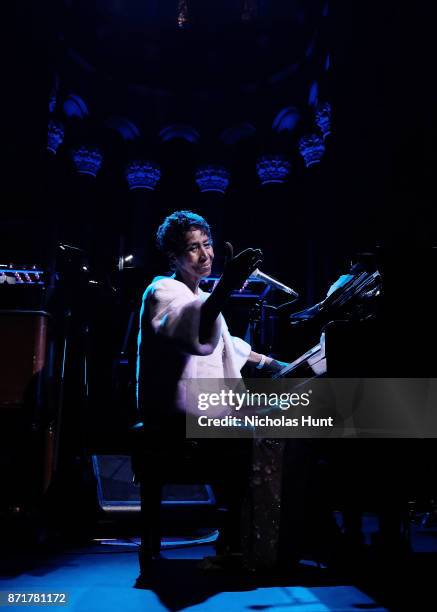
236 272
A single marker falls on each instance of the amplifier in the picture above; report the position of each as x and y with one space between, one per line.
22 287
10 275
117 492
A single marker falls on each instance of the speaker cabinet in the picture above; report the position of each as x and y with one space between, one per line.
26 454
23 349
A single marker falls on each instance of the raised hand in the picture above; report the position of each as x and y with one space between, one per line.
239 268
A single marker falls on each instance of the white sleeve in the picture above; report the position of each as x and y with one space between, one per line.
175 313
241 351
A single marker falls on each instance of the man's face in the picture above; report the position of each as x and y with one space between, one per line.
196 259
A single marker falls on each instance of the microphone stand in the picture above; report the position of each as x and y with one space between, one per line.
273 282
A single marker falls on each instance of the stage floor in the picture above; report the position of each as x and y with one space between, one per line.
100 577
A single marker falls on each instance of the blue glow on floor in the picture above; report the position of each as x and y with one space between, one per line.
299 599
102 580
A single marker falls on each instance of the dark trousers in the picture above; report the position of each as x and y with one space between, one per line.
225 464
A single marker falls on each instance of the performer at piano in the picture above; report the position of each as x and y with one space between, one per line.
183 335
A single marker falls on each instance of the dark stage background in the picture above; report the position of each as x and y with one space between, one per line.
208 93
91 87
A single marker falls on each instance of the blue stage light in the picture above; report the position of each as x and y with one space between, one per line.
75 106
212 178
323 118
312 149
52 102
313 94
142 174
179 131
87 160
55 135
286 120
124 127
273 169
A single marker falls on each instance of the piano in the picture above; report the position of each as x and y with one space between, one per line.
376 321
353 298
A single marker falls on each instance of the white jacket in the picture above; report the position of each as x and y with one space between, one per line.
170 319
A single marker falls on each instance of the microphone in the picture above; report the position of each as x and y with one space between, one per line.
269 280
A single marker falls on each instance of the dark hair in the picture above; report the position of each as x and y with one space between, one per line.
171 233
